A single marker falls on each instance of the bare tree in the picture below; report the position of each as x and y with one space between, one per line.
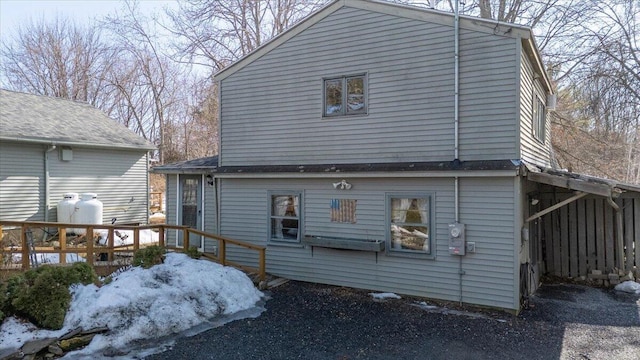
600 67
215 33
194 131
143 83
58 59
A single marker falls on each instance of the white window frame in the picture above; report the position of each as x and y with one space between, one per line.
391 249
344 111
539 119
272 237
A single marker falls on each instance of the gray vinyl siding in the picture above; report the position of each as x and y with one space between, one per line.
486 208
532 150
488 105
209 216
21 182
271 110
171 208
118 177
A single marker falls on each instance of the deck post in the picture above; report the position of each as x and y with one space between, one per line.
136 239
185 239
222 253
89 238
62 238
161 236
25 247
110 243
262 265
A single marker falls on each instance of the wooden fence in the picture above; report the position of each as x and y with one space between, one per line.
583 236
90 250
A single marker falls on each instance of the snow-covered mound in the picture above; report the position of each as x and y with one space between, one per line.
148 303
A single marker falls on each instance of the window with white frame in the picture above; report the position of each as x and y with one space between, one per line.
284 217
539 119
345 95
409 224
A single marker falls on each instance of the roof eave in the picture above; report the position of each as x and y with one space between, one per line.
531 49
78 144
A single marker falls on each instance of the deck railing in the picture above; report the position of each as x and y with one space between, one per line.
90 250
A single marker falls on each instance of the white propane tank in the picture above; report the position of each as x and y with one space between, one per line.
66 209
88 211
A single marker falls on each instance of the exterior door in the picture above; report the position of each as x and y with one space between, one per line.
190 207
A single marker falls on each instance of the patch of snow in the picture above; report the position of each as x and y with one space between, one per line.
629 286
125 237
424 306
383 296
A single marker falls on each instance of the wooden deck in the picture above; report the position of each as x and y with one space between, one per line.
17 237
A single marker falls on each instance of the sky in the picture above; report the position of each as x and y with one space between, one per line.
169 298
16 12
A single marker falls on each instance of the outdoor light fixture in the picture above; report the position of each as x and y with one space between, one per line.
342 185
210 180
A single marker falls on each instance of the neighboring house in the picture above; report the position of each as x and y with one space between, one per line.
362 152
52 146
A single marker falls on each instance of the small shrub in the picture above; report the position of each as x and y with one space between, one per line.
42 295
9 289
3 300
149 256
192 252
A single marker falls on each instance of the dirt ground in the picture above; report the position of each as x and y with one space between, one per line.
311 321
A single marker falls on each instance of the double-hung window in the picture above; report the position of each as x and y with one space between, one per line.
539 119
409 223
345 95
284 217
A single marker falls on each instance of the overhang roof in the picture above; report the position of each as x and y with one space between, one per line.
412 12
195 166
579 182
210 165
42 119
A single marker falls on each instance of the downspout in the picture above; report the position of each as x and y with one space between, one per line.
217 203
456 83
456 119
202 213
47 187
178 203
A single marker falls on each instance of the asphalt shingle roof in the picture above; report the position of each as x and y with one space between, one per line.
45 119
205 164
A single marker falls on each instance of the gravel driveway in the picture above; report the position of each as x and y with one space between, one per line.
310 321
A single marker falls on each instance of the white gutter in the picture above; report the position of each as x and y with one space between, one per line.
77 144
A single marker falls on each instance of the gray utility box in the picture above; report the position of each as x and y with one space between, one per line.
457 244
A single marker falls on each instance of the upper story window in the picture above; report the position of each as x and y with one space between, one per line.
345 95
539 119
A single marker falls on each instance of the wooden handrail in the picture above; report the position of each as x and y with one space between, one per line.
110 249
